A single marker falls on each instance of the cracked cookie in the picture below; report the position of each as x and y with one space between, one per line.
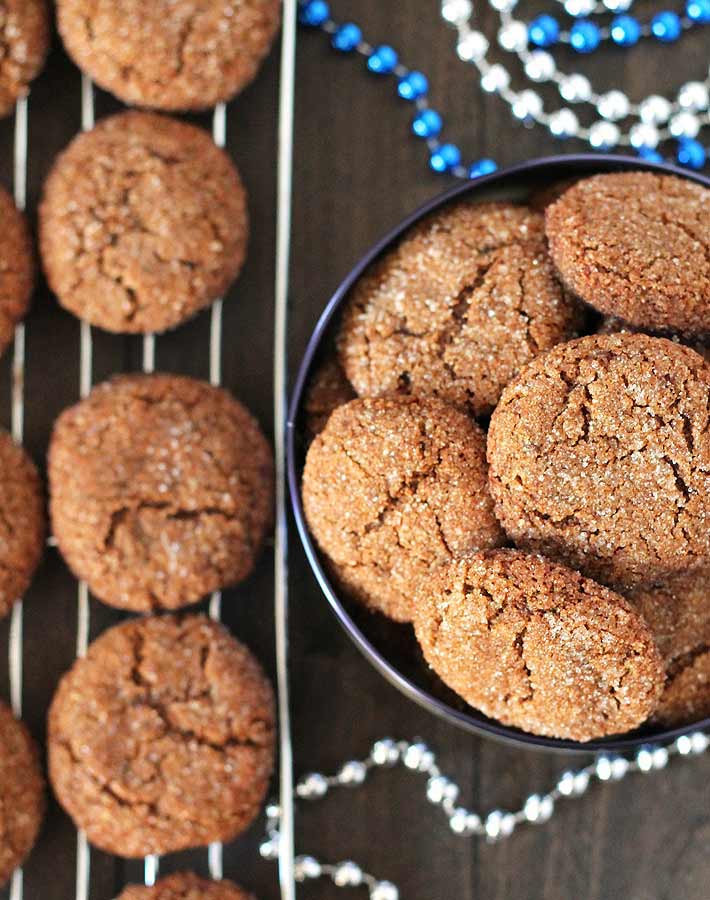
21 793
169 54
16 268
537 646
143 223
161 490
24 41
185 886
599 456
468 297
327 389
391 488
162 737
678 614
636 245
22 524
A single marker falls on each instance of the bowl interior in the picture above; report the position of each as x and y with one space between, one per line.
392 647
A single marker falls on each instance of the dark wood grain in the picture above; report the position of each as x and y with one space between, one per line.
357 172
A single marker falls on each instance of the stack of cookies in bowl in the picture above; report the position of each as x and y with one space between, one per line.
510 451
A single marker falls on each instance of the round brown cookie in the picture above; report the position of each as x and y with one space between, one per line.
614 325
169 54
185 886
538 646
162 737
161 490
327 390
599 456
21 793
24 41
636 245
678 614
143 223
392 487
468 297
22 525
16 268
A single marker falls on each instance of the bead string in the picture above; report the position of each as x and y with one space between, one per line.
441 791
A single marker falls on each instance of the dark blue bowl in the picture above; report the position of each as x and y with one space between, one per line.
390 647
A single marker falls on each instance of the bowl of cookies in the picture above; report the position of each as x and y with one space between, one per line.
499 454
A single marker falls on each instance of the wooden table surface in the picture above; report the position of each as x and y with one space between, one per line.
357 172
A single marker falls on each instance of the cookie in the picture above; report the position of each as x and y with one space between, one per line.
599 456
614 325
24 41
636 245
22 526
327 390
143 223
538 646
166 54
391 488
16 268
21 793
185 886
468 297
162 737
161 490
678 614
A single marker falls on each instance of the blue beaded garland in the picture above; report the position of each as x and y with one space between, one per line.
625 31
482 167
691 153
382 60
584 36
412 86
666 26
698 11
347 37
543 31
649 154
427 123
445 157
313 13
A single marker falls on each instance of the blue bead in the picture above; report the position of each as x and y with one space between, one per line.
543 31
382 60
691 153
651 155
482 167
584 36
666 26
445 157
625 30
347 37
313 12
412 86
698 11
427 123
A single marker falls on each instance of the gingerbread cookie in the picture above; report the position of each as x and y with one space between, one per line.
24 41
186 886
16 268
327 390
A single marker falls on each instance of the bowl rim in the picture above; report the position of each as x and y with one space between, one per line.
461 718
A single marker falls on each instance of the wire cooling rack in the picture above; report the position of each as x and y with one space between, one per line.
151 865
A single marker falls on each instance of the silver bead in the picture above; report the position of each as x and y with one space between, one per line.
619 768
418 757
455 11
540 66
384 890
644 135
644 760
273 811
655 110
580 7
352 773
564 123
472 46
347 874
603 768
503 5
385 752
575 89
513 36
613 105
527 105
269 849
440 789
305 867
684 124
660 758
538 809
495 79
573 784
617 5
499 824
699 742
694 96
464 822
684 745
312 785
603 135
